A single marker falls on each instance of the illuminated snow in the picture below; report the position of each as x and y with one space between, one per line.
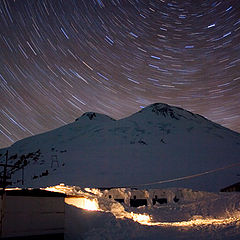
84 203
96 200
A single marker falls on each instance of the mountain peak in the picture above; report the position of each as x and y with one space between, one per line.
164 110
167 111
93 116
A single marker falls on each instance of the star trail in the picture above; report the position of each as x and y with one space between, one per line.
61 58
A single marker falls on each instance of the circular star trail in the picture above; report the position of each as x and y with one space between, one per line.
62 58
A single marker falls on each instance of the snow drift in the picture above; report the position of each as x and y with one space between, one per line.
196 214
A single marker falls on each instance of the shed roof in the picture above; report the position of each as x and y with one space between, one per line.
236 186
32 193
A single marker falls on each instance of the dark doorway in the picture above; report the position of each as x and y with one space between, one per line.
138 202
159 200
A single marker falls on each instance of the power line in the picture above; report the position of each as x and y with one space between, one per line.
189 176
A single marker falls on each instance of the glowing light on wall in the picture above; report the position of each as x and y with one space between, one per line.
79 201
84 203
141 218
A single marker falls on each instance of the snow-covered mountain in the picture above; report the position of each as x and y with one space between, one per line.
159 142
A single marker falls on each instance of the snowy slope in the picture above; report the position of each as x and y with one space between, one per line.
160 142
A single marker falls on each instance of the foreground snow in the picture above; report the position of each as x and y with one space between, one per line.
197 215
99 225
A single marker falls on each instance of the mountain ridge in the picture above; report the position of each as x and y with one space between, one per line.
158 142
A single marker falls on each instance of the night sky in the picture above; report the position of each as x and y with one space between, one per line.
61 58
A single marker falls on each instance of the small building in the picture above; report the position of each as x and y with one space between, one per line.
117 194
164 196
138 198
35 213
158 196
232 188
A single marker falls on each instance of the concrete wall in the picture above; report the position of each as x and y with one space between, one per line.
140 194
115 193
